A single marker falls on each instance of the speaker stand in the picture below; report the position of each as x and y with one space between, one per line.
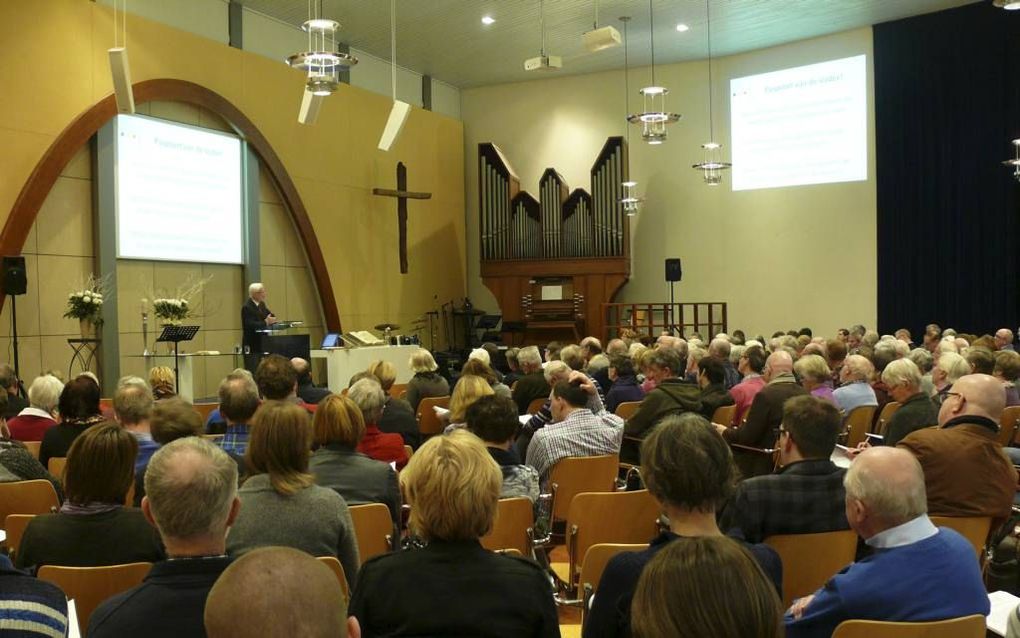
672 311
14 335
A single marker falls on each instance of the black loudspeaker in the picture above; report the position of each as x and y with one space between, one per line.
673 270
14 278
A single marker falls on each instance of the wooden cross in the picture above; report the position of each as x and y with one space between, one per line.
402 195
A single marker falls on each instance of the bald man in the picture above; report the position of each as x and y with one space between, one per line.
965 469
764 416
278 591
306 389
917 573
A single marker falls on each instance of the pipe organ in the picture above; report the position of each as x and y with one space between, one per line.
562 240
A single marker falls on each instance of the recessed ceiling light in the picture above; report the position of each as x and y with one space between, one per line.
487 20
1009 5
682 27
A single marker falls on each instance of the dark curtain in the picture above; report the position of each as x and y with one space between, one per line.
947 105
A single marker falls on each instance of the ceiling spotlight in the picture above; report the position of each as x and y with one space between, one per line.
682 28
1015 163
1008 5
487 20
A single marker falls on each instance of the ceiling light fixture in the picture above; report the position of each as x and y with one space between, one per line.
1015 162
600 38
543 62
1008 5
487 20
682 28
654 118
712 164
321 61
630 200
400 110
120 70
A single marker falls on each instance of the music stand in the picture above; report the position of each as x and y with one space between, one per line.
175 335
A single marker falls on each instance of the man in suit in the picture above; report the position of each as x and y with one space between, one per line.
255 315
306 389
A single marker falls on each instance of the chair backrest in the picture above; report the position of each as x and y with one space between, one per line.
888 410
27 497
594 563
809 560
963 627
858 423
398 389
212 437
575 474
409 451
33 448
724 415
608 517
373 527
536 405
15 525
428 421
512 529
55 466
1007 425
973 528
338 570
205 409
89 586
627 409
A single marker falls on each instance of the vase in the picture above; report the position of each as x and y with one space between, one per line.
88 328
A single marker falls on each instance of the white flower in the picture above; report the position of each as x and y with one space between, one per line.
87 299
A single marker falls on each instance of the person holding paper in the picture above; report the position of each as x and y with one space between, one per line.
255 316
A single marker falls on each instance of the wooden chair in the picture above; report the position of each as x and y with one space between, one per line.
883 417
809 560
513 527
858 423
398 390
15 525
409 451
627 409
338 570
536 405
55 466
973 528
963 627
615 517
1007 425
724 415
27 497
575 474
403 395
595 561
89 586
205 409
428 421
373 527
33 448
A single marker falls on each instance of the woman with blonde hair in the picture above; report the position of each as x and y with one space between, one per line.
479 368
162 382
280 502
469 389
453 485
815 376
337 428
426 382
397 416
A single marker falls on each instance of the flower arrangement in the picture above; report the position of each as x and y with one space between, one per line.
86 304
171 309
180 304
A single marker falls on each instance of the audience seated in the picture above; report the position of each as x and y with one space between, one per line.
79 410
949 368
10 382
689 471
493 419
469 389
705 586
806 495
216 423
132 408
624 386
276 380
855 388
239 399
672 395
815 376
368 395
28 606
552 351
719 350
554 372
280 502
191 498
764 416
426 382
162 380
576 430
532 384
41 414
981 360
513 366
478 368
751 365
966 472
451 586
93 527
173 419
17 463
338 427
835 354
1007 370
712 380
397 415
1004 339
903 380
278 591
306 388
917 572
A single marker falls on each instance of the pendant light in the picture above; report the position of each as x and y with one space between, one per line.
1015 162
712 165
321 61
654 119
630 200
400 109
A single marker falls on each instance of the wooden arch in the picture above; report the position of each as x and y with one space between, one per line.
77 133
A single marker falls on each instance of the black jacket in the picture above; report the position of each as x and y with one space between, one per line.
253 317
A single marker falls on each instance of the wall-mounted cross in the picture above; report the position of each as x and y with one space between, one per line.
402 195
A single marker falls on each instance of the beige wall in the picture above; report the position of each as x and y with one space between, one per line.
334 165
782 258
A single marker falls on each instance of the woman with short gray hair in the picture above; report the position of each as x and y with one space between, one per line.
368 395
916 411
41 413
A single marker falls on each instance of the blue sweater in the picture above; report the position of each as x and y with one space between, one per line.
932 579
29 607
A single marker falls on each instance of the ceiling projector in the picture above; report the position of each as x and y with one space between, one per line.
543 63
604 38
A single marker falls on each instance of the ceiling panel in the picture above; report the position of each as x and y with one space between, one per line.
446 39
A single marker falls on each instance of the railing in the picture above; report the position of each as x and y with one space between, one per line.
707 318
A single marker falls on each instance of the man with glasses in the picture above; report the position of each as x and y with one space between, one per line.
966 472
